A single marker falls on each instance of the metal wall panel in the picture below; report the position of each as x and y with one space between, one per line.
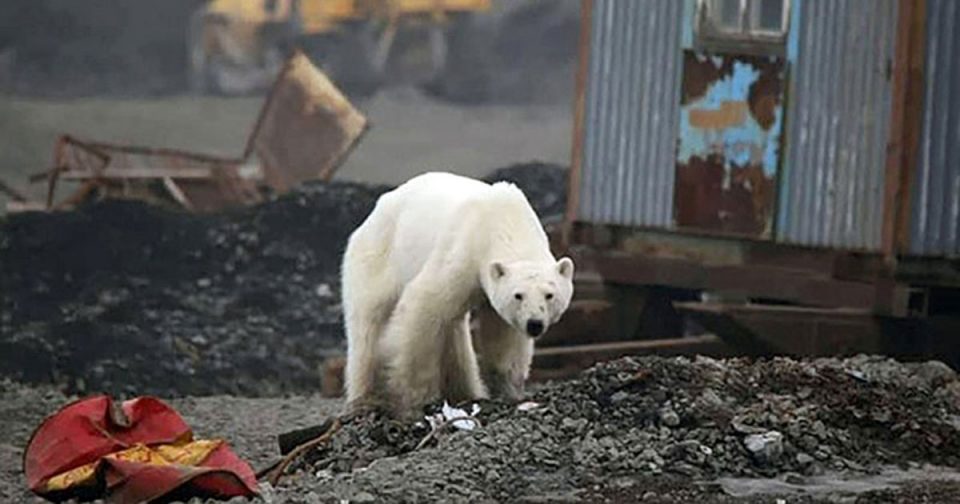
832 183
730 132
631 113
935 217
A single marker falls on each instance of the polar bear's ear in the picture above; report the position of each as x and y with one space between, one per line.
498 270
565 267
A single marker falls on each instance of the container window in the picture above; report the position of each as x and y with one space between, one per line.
758 22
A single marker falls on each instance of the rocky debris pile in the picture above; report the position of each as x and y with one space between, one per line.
127 298
653 417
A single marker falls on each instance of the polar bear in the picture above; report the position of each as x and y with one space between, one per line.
432 250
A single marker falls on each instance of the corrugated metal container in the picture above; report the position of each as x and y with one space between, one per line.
935 218
832 183
631 113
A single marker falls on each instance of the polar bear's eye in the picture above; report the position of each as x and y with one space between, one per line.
549 296
518 296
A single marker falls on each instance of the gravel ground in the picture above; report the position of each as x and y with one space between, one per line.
652 429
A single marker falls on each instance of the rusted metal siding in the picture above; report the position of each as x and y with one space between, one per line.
631 113
935 217
832 184
730 123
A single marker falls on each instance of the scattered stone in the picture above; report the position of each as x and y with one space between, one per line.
669 418
766 447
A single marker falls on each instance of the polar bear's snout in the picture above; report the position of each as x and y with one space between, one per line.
535 327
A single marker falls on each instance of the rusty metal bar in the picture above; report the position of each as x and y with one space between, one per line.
176 193
59 150
913 117
141 173
579 104
12 192
904 123
151 151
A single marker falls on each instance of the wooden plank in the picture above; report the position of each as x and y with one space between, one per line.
791 330
752 281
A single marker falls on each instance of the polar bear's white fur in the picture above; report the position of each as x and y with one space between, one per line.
431 251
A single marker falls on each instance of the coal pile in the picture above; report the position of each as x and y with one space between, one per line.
545 185
688 419
127 298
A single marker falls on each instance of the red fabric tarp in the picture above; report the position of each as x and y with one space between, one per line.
137 451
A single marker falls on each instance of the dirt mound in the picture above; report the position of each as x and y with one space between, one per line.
638 418
127 298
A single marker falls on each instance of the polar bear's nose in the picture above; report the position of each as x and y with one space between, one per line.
534 327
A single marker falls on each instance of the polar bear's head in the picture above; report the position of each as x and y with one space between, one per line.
530 296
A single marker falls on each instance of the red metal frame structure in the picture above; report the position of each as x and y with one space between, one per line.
304 130
194 181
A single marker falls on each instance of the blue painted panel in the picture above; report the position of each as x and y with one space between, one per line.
731 119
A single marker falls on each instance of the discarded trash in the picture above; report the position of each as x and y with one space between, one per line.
450 416
528 406
136 451
304 131
304 441
455 416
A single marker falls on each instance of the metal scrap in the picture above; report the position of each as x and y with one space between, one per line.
304 131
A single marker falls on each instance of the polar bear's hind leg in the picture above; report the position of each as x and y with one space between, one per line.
369 297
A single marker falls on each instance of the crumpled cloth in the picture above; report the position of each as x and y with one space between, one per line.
139 450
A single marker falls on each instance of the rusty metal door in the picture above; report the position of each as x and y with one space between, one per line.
729 142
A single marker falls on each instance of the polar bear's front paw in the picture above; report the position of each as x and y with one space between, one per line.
504 386
361 406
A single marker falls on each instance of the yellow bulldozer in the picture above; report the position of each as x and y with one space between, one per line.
236 46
